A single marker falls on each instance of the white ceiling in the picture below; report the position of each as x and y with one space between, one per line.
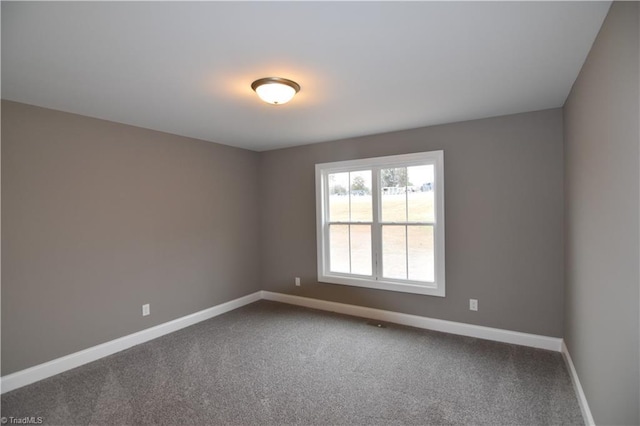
364 67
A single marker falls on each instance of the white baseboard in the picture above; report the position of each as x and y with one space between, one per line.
582 399
481 332
59 365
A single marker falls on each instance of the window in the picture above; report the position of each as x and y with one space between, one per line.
381 223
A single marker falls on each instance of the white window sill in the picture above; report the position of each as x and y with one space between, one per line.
417 288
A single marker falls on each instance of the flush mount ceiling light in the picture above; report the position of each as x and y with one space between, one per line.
275 90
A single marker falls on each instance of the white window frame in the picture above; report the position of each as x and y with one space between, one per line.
376 280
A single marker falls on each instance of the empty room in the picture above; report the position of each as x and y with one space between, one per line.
320 213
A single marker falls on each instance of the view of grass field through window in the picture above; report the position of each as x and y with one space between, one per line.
406 214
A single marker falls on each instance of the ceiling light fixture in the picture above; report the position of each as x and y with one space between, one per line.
275 90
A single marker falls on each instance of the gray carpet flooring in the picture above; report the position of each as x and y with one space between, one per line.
275 364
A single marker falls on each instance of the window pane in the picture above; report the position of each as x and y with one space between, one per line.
394 252
420 193
361 249
361 207
338 197
393 187
420 259
339 248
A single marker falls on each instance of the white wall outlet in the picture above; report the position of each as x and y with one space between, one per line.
473 304
145 310
297 281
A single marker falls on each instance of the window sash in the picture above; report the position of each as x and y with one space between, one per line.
376 230
377 279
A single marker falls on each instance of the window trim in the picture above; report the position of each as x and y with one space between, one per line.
322 229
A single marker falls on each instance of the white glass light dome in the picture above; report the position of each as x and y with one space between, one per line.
275 90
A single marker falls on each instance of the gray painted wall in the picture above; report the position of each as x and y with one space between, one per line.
99 218
602 220
504 220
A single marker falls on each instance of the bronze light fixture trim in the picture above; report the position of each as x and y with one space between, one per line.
275 90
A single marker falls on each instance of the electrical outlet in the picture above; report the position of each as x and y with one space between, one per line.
146 310
297 281
473 304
